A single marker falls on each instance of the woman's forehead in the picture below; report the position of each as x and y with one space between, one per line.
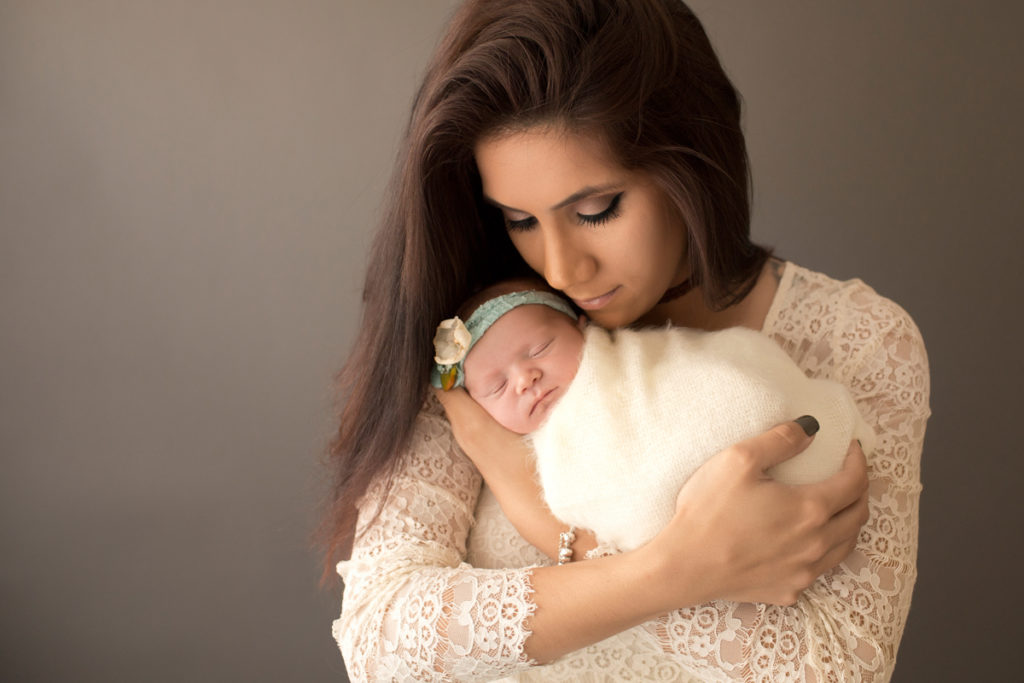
544 166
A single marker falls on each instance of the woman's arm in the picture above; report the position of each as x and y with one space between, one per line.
507 465
848 624
412 610
738 534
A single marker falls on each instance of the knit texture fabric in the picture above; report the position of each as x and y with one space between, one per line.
648 407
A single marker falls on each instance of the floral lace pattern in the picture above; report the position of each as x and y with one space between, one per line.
429 596
412 609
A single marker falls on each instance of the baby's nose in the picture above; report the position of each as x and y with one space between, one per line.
527 378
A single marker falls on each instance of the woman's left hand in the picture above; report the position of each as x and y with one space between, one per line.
491 447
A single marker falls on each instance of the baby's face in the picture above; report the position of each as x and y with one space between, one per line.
523 364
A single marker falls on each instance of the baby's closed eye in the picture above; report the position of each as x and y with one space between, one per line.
496 388
541 348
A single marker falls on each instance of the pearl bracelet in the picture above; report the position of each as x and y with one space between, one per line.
565 541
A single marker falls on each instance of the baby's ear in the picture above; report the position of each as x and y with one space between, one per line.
581 322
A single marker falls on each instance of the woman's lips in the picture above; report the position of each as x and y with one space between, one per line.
596 302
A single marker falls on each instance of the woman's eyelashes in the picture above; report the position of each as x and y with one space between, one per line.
612 211
609 213
521 224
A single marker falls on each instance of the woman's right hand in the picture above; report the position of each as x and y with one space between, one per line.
745 537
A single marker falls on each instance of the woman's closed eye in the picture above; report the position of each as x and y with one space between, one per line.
520 223
609 212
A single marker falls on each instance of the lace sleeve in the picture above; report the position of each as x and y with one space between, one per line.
412 609
848 624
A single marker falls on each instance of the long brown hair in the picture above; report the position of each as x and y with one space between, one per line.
640 73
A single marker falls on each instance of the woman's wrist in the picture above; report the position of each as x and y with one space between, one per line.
582 603
522 502
672 573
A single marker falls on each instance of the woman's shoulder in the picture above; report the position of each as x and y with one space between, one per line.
433 458
800 285
852 298
839 322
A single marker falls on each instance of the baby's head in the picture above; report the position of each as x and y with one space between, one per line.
516 355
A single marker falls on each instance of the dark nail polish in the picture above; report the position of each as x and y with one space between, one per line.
808 424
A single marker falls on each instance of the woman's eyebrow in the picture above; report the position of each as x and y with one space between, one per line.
588 191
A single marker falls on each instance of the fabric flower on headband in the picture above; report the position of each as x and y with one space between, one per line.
451 344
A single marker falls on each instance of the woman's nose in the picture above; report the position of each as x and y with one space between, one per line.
565 263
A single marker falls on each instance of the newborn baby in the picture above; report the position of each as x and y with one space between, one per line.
620 419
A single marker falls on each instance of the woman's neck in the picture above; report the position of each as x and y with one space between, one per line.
691 311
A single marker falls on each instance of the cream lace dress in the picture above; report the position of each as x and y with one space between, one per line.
438 585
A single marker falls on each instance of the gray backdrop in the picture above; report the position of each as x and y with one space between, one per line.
186 194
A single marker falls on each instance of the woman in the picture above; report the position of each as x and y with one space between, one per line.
598 143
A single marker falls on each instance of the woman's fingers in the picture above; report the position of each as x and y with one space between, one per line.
781 442
844 498
467 418
844 529
760 540
848 485
481 438
452 397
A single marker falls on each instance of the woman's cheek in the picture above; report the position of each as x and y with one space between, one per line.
529 248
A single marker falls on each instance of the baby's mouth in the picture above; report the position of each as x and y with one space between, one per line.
540 400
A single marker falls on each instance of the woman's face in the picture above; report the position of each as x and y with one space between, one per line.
604 236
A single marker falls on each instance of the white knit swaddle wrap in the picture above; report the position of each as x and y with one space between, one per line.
648 407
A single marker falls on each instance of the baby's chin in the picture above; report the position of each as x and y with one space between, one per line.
527 423
522 425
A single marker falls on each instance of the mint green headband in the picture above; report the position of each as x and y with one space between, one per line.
453 339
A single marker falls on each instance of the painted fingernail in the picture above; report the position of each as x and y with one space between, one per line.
808 424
